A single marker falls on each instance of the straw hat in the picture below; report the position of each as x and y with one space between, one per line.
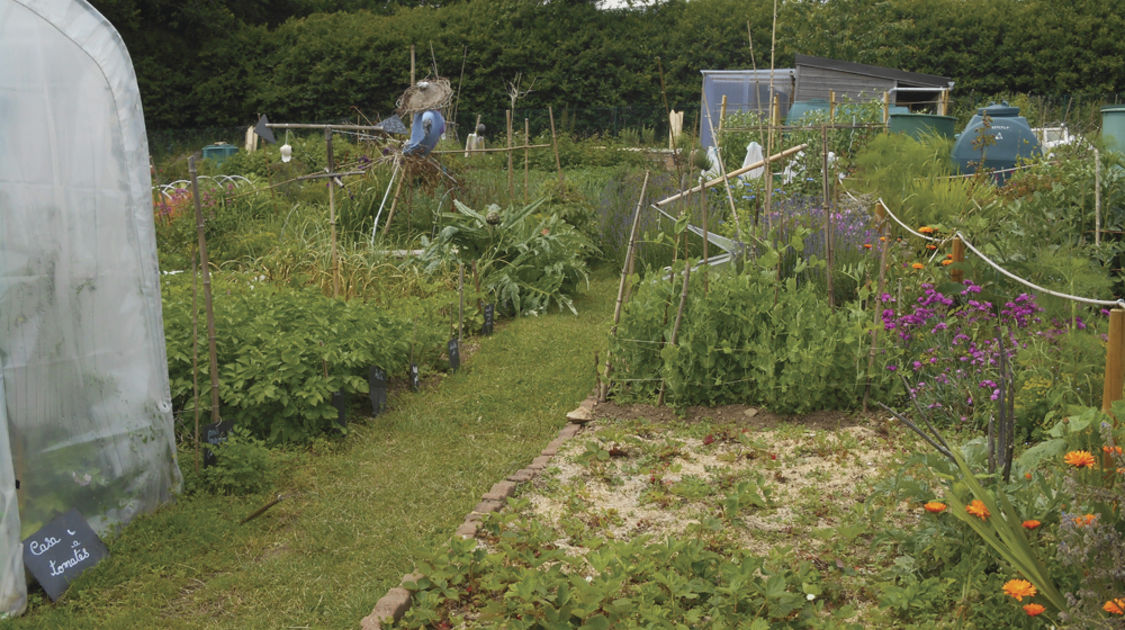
430 93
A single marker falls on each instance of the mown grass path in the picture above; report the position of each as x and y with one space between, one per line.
359 512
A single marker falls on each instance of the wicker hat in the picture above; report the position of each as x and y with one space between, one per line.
430 93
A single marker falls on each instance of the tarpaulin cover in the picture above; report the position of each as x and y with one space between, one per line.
85 411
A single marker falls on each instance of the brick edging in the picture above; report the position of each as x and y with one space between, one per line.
396 602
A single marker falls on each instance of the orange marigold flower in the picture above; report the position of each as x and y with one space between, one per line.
1115 606
931 246
1031 524
867 245
883 238
1034 609
1027 475
1079 459
1111 450
947 261
977 508
1086 519
934 506
918 265
925 229
1019 589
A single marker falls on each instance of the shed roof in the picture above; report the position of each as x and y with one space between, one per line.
908 79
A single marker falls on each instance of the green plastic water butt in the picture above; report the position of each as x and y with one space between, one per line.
219 152
1113 127
917 125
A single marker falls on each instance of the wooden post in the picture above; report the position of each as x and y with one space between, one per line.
460 301
832 107
204 263
332 212
511 185
1114 360
676 325
626 271
881 217
957 275
555 142
195 349
1097 198
827 218
722 115
526 160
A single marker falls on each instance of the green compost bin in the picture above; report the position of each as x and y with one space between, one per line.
1113 127
219 152
918 125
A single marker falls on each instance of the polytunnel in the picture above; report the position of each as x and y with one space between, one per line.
85 410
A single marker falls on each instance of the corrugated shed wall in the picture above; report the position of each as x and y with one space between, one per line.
816 82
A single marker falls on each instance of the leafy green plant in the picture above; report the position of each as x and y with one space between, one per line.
243 465
527 262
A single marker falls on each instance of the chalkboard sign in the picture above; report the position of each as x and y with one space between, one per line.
340 402
489 316
60 551
377 389
214 434
454 355
415 380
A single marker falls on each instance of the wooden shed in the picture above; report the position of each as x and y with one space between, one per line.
818 77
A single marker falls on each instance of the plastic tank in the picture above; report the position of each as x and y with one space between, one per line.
917 125
1001 142
1113 127
800 108
219 152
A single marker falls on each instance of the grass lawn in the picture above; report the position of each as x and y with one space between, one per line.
358 511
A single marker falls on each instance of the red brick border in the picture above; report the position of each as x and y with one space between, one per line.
395 603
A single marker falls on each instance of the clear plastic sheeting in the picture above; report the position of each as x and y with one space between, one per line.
85 410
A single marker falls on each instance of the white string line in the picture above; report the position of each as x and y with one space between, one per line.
1119 303
905 226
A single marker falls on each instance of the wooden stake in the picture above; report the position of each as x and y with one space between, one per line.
881 217
827 218
195 350
511 185
1097 198
676 325
832 107
212 353
706 264
526 160
555 142
1114 360
957 275
722 170
394 202
886 108
332 213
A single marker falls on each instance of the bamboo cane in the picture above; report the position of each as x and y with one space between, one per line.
526 140
195 350
511 185
204 263
827 219
555 142
881 215
332 213
676 325
722 167
626 271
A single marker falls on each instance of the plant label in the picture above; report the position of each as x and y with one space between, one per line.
340 402
214 434
61 550
454 355
377 390
415 380
489 316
